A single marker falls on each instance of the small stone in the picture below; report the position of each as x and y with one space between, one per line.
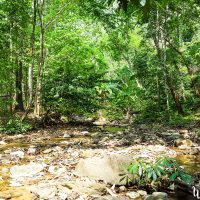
85 133
161 195
47 151
142 192
185 142
66 135
31 150
59 149
157 196
19 154
29 170
44 191
57 170
15 184
8 151
183 131
133 195
64 193
2 143
5 195
137 141
184 147
4 170
122 188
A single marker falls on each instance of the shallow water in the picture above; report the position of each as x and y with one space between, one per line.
190 163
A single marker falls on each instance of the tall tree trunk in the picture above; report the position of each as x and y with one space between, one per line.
31 66
18 86
160 48
38 98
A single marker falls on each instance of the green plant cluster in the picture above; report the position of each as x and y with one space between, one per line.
155 176
15 126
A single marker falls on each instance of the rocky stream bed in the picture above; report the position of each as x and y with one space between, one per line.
84 162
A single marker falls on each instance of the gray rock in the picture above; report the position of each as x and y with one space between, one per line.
44 191
122 188
106 168
185 142
157 196
142 193
2 143
28 170
19 154
133 195
31 150
57 170
66 135
47 151
109 197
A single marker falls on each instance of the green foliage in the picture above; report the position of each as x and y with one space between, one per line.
15 125
156 175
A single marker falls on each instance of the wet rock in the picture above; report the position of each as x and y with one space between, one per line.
5 195
44 191
137 141
183 131
133 195
122 188
57 170
2 143
106 168
85 133
142 193
19 154
66 135
157 196
58 149
109 197
29 170
185 142
7 151
87 186
63 193
31 150
21 193
169 135
184 147
47 151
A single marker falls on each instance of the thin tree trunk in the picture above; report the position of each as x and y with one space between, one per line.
158 39
31 66
18 86
38 98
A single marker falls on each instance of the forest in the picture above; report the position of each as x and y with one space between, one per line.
80 76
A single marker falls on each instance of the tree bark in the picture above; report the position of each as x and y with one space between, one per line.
160 46
18 87
31 66
38 98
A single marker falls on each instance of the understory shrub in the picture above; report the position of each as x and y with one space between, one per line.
15 125
154 176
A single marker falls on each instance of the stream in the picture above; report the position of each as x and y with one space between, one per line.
71 144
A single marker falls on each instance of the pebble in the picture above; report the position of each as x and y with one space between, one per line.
47 151
2 143
66 135
19 154
31 150
122 188
133 195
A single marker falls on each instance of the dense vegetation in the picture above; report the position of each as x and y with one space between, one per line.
120 57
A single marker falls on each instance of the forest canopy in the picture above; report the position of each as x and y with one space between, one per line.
130 59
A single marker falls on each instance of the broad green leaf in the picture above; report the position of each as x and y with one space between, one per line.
173 176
